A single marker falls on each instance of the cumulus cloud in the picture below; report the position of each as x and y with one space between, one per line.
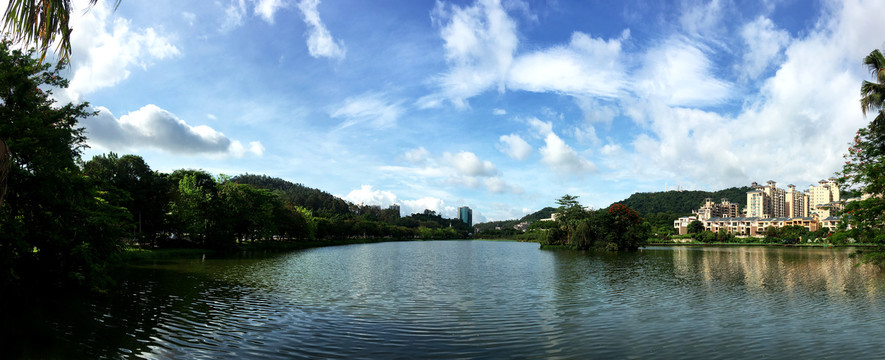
371 109
468 164
426 203
107 49
794 129
515 147
153 127
562 158
368 195
320 42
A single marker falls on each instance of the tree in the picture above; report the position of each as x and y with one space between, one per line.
190 210
864 168
52 221
134 186
695 227
42 22
570 215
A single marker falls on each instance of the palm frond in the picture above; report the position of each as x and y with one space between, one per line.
875 62
42 22
872 96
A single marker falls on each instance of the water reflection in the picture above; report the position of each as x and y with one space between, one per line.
802 270
463 299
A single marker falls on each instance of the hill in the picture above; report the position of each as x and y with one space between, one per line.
682 202
317 201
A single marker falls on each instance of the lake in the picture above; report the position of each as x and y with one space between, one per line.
476 299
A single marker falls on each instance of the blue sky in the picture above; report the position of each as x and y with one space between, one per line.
500 105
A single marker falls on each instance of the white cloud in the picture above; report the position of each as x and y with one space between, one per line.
367 195
499 112
515 147
371 109
596 111
267 8
764 44
103 57
543 128
497 185
319 41
425 203
417 156
468 164
153 127
462 169
678 73
234 15
703 19
586 134
562 158
794 130
587 66
479 42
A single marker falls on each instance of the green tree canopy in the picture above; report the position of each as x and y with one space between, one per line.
52 221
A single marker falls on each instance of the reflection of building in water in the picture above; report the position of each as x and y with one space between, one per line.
795 271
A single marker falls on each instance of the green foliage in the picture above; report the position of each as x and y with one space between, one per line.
864 169
694 227
615 228
319 202
130 183
55 226
681 203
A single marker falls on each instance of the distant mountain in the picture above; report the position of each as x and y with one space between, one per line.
544 213
682 202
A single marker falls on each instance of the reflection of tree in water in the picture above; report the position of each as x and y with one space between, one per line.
151 312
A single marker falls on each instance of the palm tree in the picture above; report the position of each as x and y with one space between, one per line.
872 94
42 22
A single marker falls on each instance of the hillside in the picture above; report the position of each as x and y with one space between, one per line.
315 200
682 202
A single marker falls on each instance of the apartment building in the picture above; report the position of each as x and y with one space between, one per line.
796 202
711 209
768 205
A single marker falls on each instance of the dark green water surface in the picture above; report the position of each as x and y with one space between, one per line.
475 299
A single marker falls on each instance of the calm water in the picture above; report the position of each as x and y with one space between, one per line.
478 299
